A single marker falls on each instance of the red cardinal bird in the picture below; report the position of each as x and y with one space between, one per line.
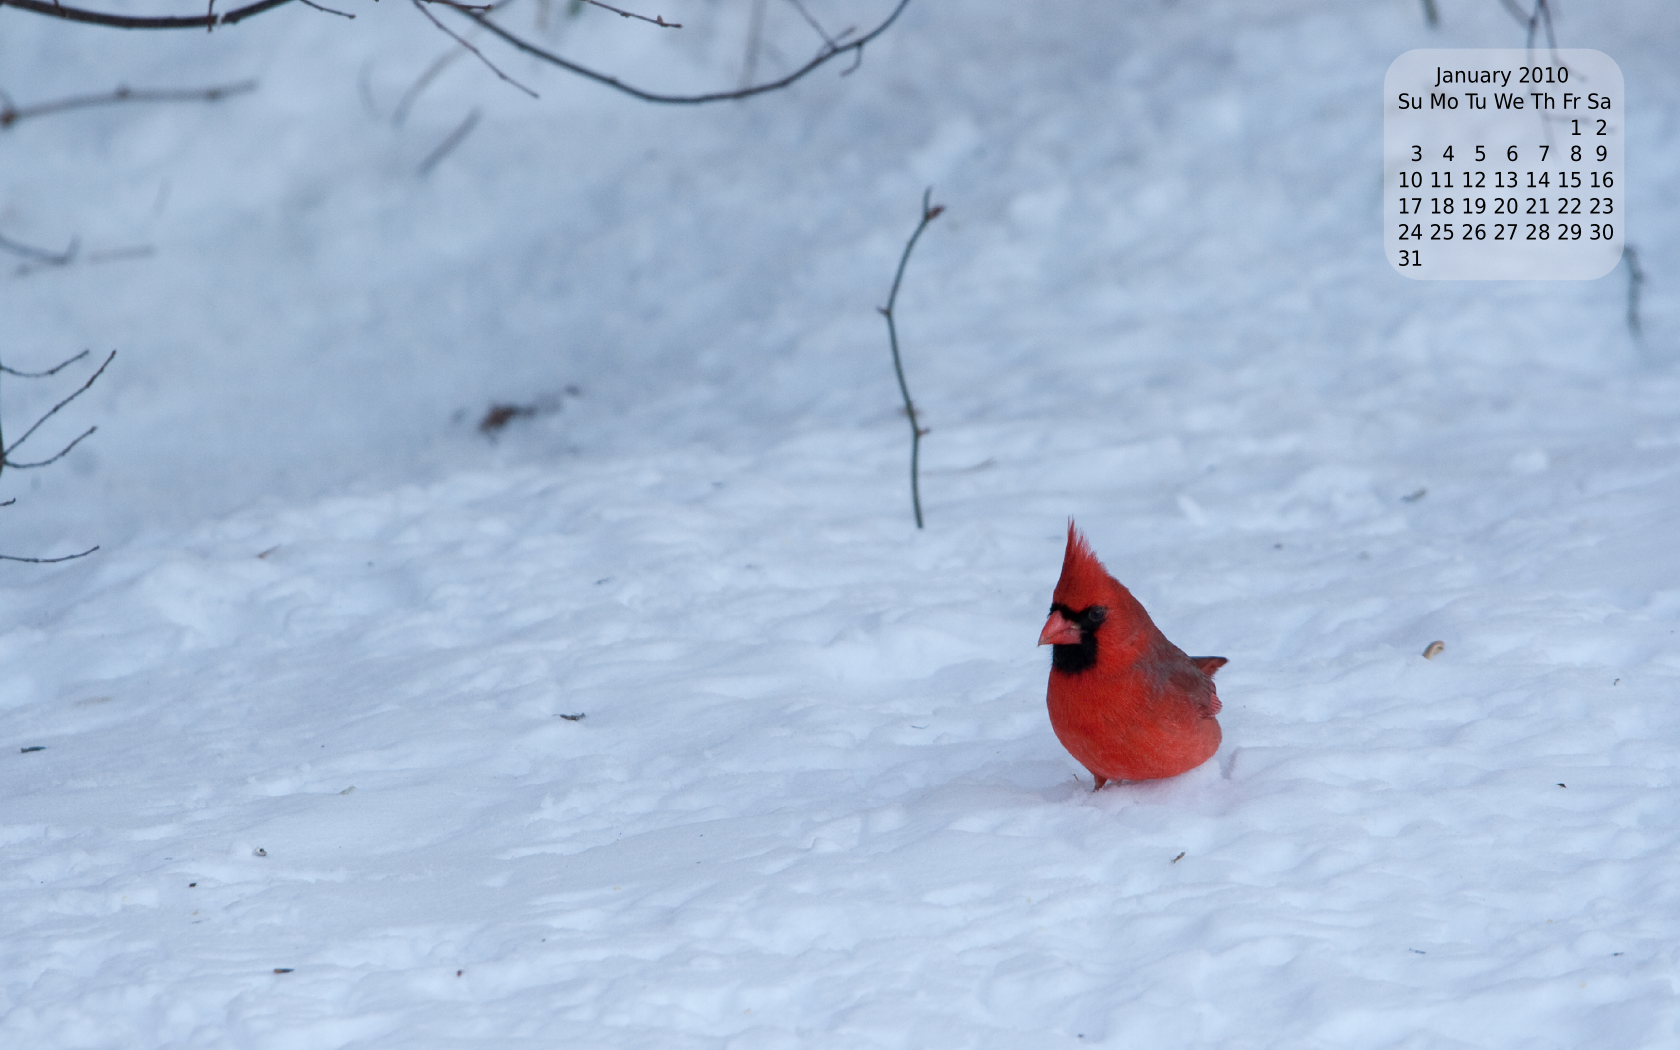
1124 701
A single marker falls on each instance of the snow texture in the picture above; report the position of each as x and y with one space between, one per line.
652 721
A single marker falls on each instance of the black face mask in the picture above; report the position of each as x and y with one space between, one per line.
1072 659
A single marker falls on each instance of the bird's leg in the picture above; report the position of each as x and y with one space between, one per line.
1100 782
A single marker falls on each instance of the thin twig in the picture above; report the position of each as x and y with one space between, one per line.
1636 278
10 114
54 370
6 452
99 18
49 561
813 23
138 251
448 145
658 20
135 251
41 255
1541 9
365 90
421 6
824 56
755 39
1430 15
400 114
65 451
327 10
928 215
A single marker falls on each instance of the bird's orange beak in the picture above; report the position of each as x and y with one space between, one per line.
1059 630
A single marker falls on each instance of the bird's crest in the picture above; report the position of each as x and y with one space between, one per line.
1084 581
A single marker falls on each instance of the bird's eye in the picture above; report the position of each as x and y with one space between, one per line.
1095 614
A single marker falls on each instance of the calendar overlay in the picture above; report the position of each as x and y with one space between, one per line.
1503 164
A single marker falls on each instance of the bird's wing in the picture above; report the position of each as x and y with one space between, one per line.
1195 686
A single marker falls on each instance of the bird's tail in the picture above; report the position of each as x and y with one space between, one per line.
1209 664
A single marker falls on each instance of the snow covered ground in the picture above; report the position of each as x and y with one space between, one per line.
653 722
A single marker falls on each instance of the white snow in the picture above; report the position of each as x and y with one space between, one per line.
303 711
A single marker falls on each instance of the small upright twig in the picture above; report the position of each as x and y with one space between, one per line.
1636 278
928 215
1430 15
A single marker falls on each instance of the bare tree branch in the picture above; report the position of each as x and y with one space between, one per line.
60 454
824 56
400 114
480 13
209 20
7 450
420 5
10 114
